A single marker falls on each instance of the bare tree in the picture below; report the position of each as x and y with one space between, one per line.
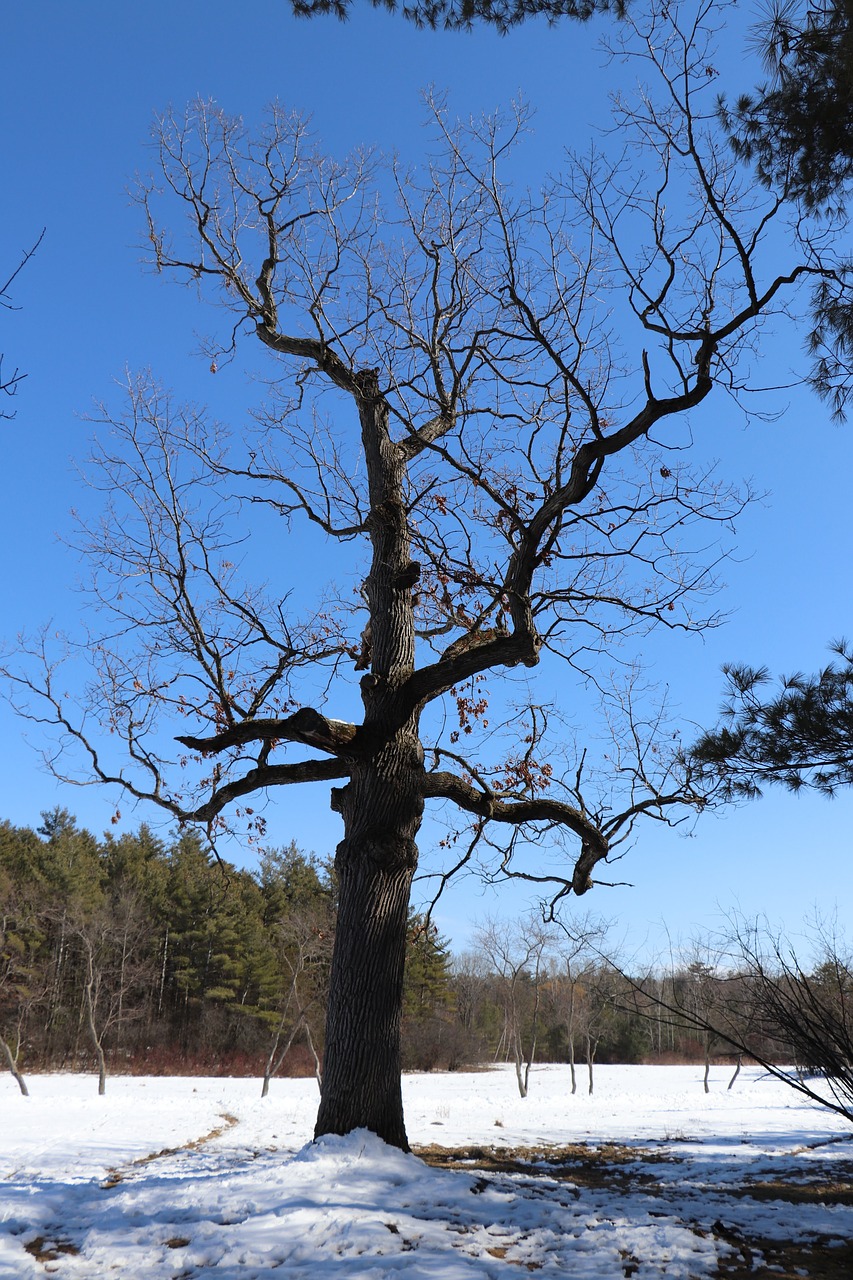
695 980
10 1046
9 382
807 1006
471 991
516 954
22 983
115 963
501 478
577 945
25 979
701 990
596 1003
767 1003
305 940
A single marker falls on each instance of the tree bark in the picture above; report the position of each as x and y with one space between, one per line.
12 1061
382 808
520 1075
90 1000
570 1028
361 1069
275 1058
318 1066
591 1046
737 1071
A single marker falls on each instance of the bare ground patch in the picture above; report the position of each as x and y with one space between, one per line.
612 1167
604 1165
50 1248
822 1259
117 1175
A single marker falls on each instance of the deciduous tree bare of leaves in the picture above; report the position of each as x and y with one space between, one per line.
579 946
304 939
115 962
516 952
478 405
9 382
769 1003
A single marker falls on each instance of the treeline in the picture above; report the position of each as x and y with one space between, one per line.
134 950
135 953
532 991
139 954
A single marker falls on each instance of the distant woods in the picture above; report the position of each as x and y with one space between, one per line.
148 955
136 953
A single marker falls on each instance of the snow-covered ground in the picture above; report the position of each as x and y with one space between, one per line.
168 1178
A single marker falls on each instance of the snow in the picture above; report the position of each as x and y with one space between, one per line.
167 1178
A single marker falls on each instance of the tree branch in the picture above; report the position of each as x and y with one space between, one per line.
306 726
594 846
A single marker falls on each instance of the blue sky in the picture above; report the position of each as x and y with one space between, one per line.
78 89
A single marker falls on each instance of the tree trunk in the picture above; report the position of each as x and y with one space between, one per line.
737 1071
162 986
275 1058
382 808
570 1031
90 1000
361 1072
521 1076
591 1046
318 1070
533 1036
12 1060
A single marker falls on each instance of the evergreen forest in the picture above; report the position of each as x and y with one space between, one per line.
148 955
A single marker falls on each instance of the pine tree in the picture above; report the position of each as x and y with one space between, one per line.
800 736
427 985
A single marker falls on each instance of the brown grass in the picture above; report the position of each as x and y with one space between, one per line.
50 1248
